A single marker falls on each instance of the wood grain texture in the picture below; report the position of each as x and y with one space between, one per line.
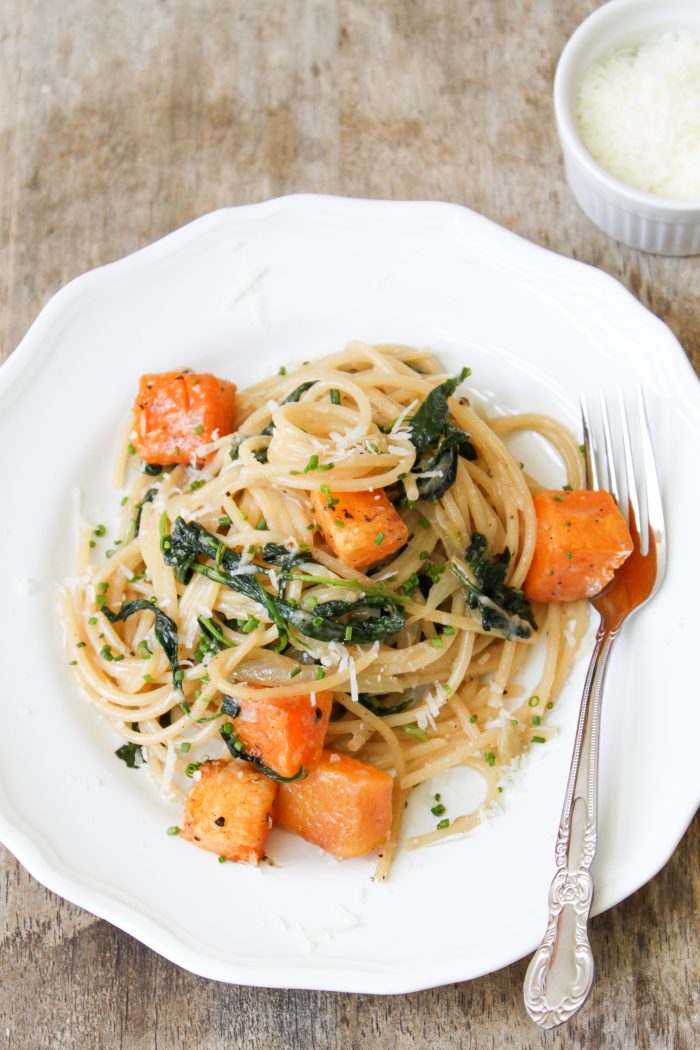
120 121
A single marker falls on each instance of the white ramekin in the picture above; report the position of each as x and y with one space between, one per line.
642 220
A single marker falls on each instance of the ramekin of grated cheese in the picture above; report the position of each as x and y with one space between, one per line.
627 107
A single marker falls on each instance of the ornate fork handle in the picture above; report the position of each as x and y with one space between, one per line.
560 973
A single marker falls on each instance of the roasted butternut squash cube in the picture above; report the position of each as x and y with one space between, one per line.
176 412
284 732
582 538
343 806
361 528
228 810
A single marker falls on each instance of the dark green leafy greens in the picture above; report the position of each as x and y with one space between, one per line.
165 630
212 631
363 621
369 618
438 442
502 608
128 753
374 704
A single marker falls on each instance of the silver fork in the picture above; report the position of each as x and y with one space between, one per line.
560 973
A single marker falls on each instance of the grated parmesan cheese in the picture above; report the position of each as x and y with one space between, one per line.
354 693
638 111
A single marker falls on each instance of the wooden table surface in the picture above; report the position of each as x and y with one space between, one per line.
121 121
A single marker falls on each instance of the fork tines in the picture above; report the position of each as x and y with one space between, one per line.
623 466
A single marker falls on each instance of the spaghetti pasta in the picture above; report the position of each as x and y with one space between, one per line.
424 669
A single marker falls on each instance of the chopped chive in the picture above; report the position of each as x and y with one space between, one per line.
295 672
340 523
567 488
448 631
438 810
538 740
415 731
80 645
250 624
174 830
424 555
311 602
473 718
424 521
185 746
568 554
92 621
225 521
444 823
100 530
536 720
550 705
282 371
72 663
198 429
319 673
348 633
130 449
222 860
197 484
148 678
533 701
176 450
514 721
490 758
92 543
335 397
261 526
379 539
436 641
401 476
123 501
312 464
559 498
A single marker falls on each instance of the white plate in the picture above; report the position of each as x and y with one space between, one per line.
240 292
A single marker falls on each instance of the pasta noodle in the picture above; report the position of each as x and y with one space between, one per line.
455 680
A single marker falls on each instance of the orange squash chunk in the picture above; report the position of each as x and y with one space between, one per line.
582 538
228 810
343 806
360 527
175 412
284 733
